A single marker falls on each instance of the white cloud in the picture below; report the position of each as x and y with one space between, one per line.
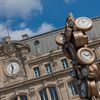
17 34
22 25
45 27
22 8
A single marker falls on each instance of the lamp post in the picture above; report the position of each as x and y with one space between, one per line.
74 42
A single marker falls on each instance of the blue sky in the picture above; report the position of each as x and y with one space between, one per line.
34 17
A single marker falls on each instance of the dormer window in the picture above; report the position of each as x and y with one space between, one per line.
37 47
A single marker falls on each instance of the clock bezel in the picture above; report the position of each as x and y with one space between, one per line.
86 28
81 60
58 41
7 63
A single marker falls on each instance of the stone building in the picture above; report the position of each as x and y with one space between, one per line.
35 68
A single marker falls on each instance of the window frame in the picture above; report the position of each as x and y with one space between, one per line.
37 47
69 92
45 68
62 64
34 70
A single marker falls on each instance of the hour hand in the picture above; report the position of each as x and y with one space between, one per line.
12 68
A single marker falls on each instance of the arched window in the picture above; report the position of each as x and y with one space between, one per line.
20 97
37 47
72 85
52 91
43 94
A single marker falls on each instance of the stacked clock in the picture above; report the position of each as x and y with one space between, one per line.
86 57
74 42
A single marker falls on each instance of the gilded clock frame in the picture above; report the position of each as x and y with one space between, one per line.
86 28
79 58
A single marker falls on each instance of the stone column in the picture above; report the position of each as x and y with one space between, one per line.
18 97
48 93
63 91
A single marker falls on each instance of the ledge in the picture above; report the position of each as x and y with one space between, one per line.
34 80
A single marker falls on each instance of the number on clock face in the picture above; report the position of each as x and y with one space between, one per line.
86 55
13 68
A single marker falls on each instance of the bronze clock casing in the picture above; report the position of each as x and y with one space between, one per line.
91 89
60 40
68 34
80 59
79 39
87 27
66 52
71 22
94 71
69 50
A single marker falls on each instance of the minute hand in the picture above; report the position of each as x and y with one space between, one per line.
12 68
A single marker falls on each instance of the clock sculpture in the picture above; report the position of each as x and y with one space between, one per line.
74 42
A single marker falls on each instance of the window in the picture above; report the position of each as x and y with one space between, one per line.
37 46
21 97
48 68
53 93
64 63
72 85
37 71
43 94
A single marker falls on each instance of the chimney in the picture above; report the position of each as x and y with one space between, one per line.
25 36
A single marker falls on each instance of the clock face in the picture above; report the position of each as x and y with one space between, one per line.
13 68
84 71
71 23
73 73
83 90
85 56
83 23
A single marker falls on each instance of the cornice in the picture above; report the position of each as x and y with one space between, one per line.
45 56
35 80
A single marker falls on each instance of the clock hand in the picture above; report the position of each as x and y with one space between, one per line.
12 68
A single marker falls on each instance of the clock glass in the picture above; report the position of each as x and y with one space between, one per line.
84 23
85 71
86 55
83 90
13 68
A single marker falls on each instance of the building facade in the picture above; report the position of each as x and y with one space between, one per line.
35 68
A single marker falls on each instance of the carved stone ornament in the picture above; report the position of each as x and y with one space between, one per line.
60 83
31 91
8 47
